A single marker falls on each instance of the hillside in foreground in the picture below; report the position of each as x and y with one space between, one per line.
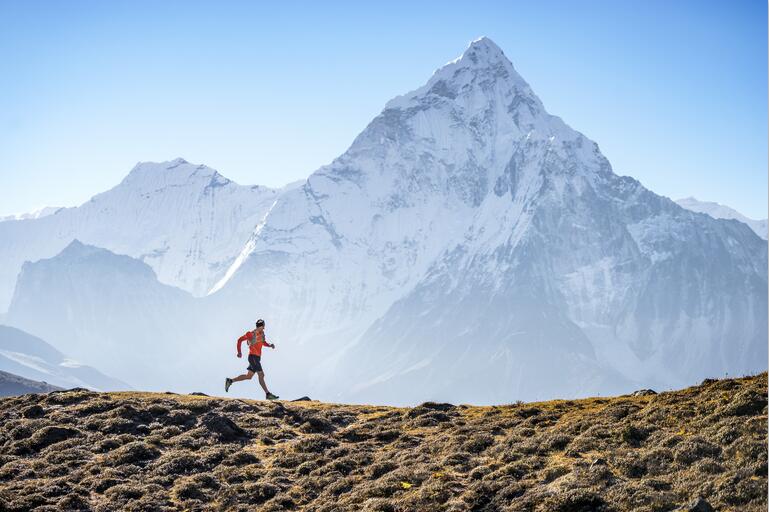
700 448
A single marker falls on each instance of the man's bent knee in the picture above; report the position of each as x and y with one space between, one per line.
249 375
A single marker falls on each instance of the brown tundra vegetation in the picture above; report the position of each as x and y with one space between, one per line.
698 449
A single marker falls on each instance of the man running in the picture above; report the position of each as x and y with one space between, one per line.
255 340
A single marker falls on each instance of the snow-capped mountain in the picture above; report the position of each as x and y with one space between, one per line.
32 358
186 221
483 250
468 246
719 211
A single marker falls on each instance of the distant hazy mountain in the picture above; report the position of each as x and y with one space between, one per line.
719 211
12 385
467 247
35 214
186 221
32 358
107 310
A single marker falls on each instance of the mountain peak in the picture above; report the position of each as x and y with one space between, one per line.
482 65
484 49
77 249
177 163
75 245
481 53
484 41
156 175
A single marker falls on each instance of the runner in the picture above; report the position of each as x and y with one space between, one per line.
255 340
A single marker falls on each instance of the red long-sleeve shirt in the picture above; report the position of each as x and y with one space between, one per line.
255 341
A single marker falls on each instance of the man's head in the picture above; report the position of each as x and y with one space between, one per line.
260 324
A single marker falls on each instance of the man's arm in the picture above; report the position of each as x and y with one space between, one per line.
240 342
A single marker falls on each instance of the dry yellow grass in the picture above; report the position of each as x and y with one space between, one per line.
80 450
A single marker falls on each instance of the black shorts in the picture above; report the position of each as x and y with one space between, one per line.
254 363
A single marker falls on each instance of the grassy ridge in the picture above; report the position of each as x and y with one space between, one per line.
700 447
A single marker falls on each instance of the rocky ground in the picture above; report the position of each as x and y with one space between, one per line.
702 448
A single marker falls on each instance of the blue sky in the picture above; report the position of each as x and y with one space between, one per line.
674 93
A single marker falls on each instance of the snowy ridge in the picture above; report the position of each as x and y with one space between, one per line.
35 214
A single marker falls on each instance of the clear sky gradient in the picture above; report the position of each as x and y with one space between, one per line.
674 93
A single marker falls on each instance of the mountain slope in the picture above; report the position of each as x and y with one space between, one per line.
719 211
12 385
32 358
186 221
701 448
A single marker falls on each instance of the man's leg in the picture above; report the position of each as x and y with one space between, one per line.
261 382
245 376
